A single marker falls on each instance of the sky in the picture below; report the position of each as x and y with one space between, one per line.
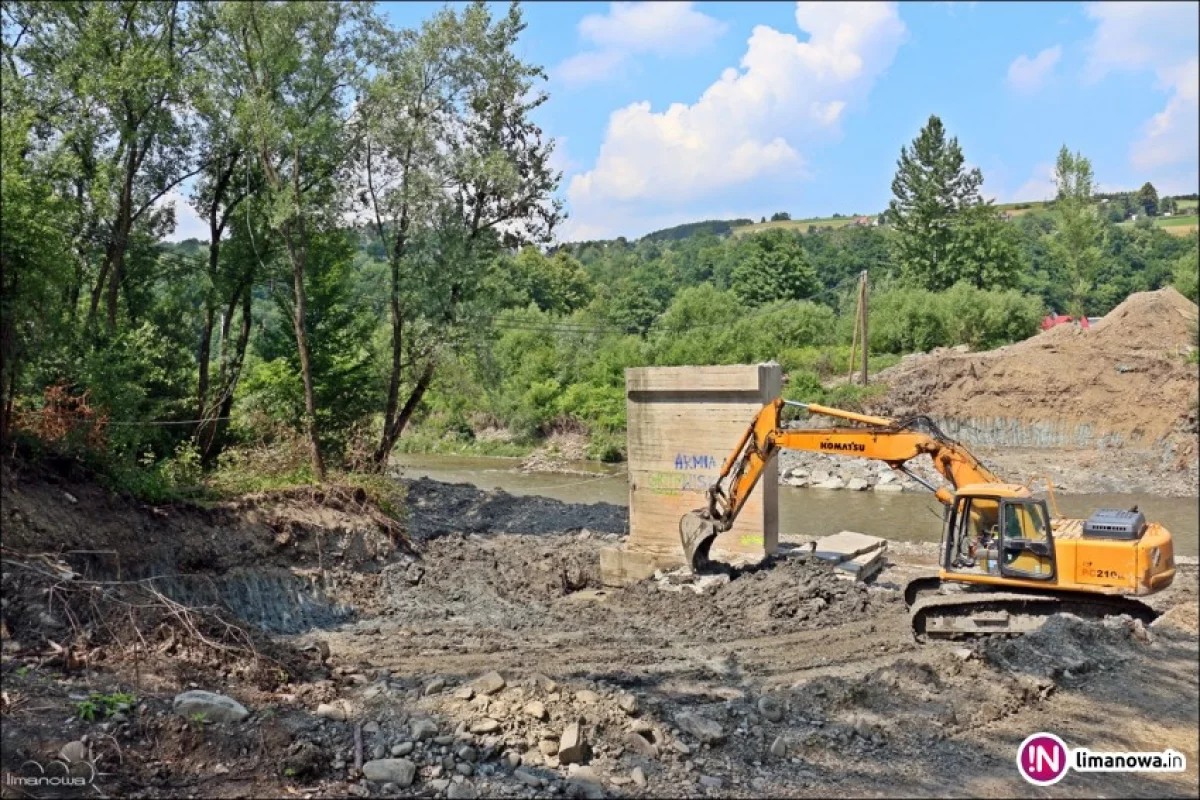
671 112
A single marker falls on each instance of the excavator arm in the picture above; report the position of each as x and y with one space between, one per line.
891 441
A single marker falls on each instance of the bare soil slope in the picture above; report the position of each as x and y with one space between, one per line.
1128 375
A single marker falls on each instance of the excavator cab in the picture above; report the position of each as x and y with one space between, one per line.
998 530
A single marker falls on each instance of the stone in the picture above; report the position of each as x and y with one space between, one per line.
402 749
548 747
711 782
586 697
770 708
468 753
512 758
399 771
584 781
528 778
371 727
758 784
465 692
464 769
856 484
444 739
886 478
779 747
215 707
544 683
461 791
963 653
437 784
423 729
435 686
702 728
832 483
536 710
378 751
485 725
74 752
889 487
628 703
819 476
639 744
572 747
639 776
489 683
681 747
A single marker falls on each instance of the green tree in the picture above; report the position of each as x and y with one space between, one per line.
772 266
1147 199
931 186
291 67
558 284
984 250
1076 242
1186 275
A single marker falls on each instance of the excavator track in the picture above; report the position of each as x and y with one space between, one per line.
989 613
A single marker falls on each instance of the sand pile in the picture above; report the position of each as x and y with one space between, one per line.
1127 378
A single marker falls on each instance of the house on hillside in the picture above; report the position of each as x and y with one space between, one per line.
1006 216
865 221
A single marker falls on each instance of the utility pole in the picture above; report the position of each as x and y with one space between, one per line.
862 306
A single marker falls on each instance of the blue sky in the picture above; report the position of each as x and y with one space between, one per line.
666 113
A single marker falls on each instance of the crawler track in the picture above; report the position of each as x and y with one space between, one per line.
987 613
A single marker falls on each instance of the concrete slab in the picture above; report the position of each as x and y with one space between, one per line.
863 567
847 545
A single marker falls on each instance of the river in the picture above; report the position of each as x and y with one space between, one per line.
908 516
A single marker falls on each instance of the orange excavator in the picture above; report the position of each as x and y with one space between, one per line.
1005 564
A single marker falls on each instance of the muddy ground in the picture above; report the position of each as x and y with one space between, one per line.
786 681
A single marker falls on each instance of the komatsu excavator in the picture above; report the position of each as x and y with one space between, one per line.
1005 564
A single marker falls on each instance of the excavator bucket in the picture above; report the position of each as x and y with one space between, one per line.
696 533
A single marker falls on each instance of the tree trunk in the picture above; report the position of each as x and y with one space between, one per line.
299 322
231 373
391 433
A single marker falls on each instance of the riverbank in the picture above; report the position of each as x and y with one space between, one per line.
484 660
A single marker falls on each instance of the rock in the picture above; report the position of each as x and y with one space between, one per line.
758 784
490 683
437 784
536 710
528 778
584 781
639 776
485 725
461 791
468 753
215 707
435 686
464 769
779 747
72 499
402 749
770 708
572 747
544 683
702 728
465 692
888 487
378 752
886 477
628 703
587 697
74 752
444 740
423 729
819 476
399 771
856 484
681 747
640 744
338 709
548 747
832 483
963 653
512 758
371 727
710 782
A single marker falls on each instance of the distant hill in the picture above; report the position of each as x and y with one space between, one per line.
718 227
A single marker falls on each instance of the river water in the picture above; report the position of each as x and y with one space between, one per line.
908 516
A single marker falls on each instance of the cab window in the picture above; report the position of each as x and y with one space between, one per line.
1024 521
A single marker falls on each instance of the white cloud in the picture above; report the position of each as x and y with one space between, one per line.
661 28
590 66
1161 37
1027 74
1039 187
188 224
745 126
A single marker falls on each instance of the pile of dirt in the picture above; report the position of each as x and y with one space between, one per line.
1126 380
440 509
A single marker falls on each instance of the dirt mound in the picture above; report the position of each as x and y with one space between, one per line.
1068 645
1124 381
438 509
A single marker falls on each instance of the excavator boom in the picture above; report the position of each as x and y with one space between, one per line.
891 441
